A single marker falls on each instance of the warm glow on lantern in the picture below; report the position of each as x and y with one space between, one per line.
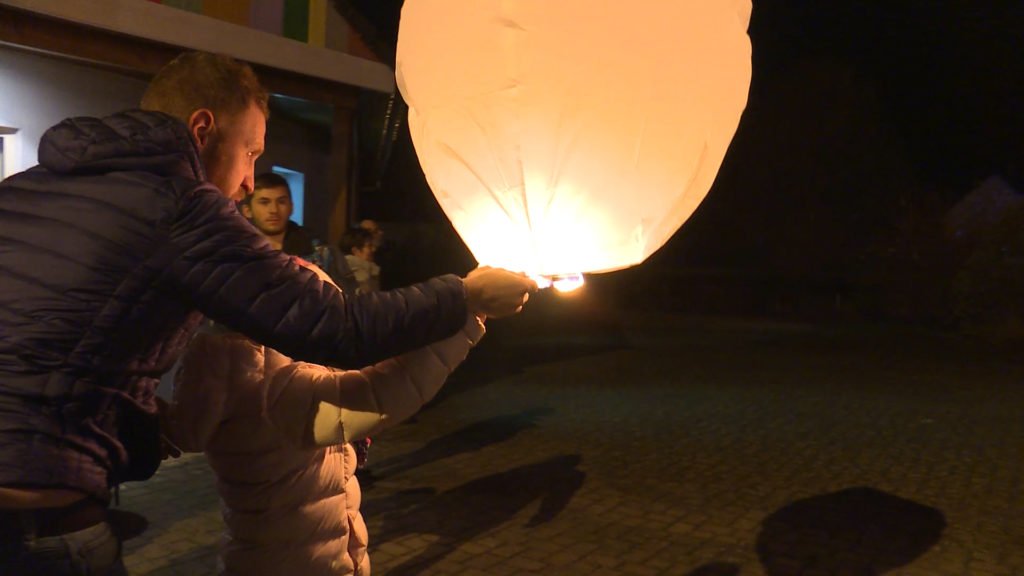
571 136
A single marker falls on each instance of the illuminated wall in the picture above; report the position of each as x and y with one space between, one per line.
39 91
314 22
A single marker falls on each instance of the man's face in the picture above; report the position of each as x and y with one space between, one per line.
270 209
230 155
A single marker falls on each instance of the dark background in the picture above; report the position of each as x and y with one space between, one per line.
866 123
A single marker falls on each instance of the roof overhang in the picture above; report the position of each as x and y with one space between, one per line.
141 36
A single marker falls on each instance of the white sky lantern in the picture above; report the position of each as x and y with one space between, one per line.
568 136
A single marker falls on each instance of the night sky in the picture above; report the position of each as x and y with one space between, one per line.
866 122
947 75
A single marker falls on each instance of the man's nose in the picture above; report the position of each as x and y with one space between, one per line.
247 183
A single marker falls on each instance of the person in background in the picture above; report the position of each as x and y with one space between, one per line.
113 249
386 253
358 247
270 209
375 231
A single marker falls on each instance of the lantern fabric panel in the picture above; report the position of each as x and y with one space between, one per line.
571 136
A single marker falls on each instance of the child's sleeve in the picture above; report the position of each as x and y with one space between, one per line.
346 405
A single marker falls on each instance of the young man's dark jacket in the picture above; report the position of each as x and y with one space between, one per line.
297 241
110 253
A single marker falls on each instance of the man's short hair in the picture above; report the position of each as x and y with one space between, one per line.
271 180
196 80
355 238
264 181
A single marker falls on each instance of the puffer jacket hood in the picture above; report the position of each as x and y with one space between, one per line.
128 142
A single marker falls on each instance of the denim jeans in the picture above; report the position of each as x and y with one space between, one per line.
95 551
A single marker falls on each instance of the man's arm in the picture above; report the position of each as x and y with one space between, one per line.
226 269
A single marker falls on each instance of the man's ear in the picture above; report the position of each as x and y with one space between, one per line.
201 124
247 211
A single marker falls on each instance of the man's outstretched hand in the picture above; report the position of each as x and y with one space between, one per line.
494 292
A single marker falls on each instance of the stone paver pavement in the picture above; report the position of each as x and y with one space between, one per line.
580 441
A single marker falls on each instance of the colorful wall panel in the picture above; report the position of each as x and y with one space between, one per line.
302 20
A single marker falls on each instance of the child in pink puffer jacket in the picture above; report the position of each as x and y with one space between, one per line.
277 434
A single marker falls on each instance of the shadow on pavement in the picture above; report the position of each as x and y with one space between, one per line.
463 513
467 439
854 531
551 329
198 561
126 524
716 569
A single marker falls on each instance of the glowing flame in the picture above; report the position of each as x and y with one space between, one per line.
561 282
567 282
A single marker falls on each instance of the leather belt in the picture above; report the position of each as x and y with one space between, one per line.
19 524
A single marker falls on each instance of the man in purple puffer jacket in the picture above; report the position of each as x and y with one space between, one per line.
111 252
